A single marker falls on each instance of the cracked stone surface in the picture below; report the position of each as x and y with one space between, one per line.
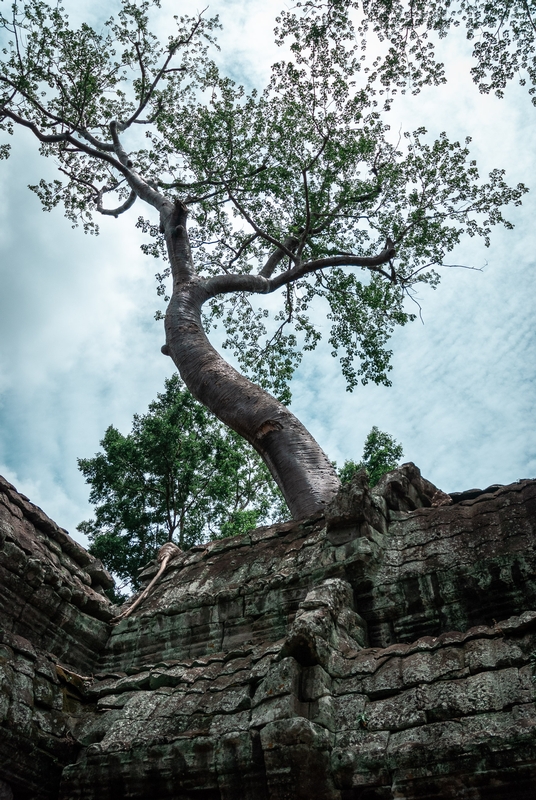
384 650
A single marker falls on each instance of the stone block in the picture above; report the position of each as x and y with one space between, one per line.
349 712
386 680
492 654
315 683
225 723
282 678
404 710
285 707
447 662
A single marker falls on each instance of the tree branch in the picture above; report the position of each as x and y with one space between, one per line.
52 138
268 270
259 231
162 71
114 212
135 181
58 120
259 284
119 150
209 182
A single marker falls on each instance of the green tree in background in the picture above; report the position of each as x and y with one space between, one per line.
381 454
180 476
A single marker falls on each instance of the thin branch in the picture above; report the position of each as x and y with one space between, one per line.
269 268
307 213
259 231
464 266
331 215
172 50
142 68
77 179
211 182
152 118
114 212
57 120
237 253
411 297
277 335
527 9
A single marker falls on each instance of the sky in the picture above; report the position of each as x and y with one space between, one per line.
80 349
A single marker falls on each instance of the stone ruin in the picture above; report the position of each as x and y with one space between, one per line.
384 650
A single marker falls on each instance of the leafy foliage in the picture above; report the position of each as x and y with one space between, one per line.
299 187
381 454
503 33
180 476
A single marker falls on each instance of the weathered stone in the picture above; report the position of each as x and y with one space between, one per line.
281 679
247 672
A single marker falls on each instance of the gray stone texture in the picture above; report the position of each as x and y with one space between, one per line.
384 650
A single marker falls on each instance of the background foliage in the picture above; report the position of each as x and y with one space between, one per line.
180 476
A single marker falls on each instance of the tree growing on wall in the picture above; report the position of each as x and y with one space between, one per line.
381 454
180 476
297 190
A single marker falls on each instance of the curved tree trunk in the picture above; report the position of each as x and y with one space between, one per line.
298 464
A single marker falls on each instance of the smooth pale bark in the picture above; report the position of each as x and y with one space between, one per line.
298 464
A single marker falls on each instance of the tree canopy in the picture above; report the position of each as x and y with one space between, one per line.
298 189
503 34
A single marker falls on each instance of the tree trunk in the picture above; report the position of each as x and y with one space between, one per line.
299 466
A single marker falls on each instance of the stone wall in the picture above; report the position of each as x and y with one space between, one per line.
54 621
385 650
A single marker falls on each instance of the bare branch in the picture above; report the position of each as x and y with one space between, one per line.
114 212
414 300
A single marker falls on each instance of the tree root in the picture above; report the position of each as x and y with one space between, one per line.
165 554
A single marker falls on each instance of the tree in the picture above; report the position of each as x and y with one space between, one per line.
503 33
180 476
297 189
381 454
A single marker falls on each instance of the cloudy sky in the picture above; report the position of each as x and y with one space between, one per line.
79 348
